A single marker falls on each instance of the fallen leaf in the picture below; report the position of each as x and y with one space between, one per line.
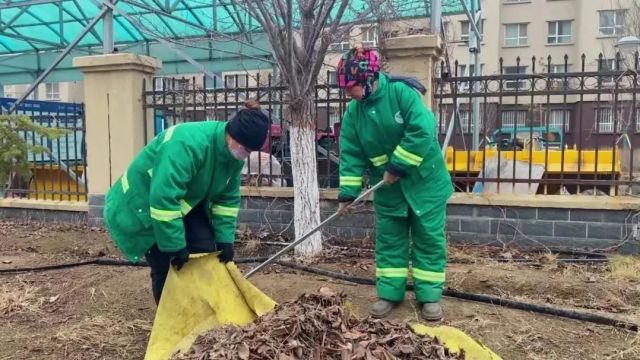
54 298
7 261
326 291
243 351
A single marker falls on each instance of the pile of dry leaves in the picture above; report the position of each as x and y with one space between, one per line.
316 326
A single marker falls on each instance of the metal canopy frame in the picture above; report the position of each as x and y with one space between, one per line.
33 28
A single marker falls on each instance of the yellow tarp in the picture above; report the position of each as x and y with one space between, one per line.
456 340
205 294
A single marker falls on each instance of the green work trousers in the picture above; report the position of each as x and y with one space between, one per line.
422 236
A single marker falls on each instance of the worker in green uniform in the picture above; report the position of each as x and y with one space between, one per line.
181 194
388 131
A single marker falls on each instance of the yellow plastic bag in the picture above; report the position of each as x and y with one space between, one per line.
456 340
204 294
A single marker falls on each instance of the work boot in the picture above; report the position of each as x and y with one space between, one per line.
432 311
382 308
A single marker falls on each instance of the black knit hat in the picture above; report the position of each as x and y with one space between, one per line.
249 127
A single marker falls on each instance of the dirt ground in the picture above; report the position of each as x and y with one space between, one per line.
106 312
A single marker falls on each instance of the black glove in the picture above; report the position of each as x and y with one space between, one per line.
179 258
226 254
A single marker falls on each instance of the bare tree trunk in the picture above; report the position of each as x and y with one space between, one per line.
306 194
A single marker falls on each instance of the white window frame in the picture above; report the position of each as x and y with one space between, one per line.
370 36
560 119
466 123
465 29
619 21
605 120
522 37
230 81
52 91
514 84
513 117
557 38
637 119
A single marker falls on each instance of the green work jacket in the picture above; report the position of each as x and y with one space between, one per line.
182 166
392 127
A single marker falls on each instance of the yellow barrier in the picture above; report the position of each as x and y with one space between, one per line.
206 294
51 182
555 161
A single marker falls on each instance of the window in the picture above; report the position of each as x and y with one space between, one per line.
341 44
465 29
559 32
466 122
212 82
560 119
607 65
559 68
168 84
516 1
235 81
513 118
463 68
612 22
370 36
605 120
52 91
515 84
516 35
637 119
332 78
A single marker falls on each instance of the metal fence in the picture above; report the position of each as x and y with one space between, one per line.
545 126
171 101
538 126
59 173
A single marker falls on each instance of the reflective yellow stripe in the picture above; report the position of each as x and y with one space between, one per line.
430 276
150 172
407 157
225 211
379 160
392 272
125 182
350 180
169 133
165 215
185 207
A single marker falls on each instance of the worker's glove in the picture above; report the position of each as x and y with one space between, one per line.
390 178
343 203
179 258
343 207
226 253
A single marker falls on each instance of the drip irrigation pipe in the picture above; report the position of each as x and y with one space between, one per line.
488 299
107 262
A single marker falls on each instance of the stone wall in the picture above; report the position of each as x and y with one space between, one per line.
571 221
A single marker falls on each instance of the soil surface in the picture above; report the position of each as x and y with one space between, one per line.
106 312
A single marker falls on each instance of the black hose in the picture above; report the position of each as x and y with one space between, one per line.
107 262
488 299
494 300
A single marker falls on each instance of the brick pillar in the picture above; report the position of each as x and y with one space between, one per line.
114 117
414 55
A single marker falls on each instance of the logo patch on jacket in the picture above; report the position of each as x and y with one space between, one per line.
398 118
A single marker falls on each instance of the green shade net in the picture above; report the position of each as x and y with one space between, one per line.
51 25
32 32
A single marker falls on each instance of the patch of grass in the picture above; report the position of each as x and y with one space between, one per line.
19 297
102 335
624 268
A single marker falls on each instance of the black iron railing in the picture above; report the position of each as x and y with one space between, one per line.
59 173
541 126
